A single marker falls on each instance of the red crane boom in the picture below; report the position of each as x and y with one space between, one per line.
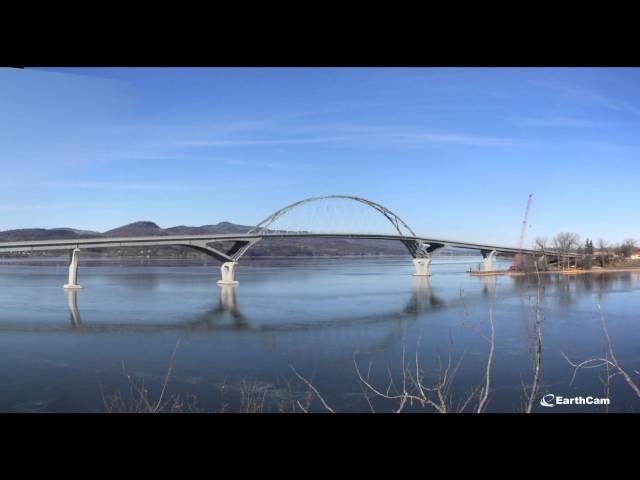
518 260
523 232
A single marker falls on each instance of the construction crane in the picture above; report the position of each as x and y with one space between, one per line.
523 232
519 258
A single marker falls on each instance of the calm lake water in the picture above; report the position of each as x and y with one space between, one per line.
71 352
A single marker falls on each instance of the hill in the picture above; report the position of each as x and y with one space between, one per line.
266 247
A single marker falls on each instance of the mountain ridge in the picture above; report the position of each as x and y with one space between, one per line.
266 247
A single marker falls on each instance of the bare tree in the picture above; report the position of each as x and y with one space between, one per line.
542 243
566 242
603 248
629 246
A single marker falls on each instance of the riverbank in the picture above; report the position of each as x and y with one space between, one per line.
557 272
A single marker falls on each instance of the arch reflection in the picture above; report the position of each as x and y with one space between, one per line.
227 313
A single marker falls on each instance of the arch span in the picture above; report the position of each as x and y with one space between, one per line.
416 248
400 225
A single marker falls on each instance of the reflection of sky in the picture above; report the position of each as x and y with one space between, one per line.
312 313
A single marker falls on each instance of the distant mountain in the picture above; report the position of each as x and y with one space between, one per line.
82 233
222 227
136 229
266 247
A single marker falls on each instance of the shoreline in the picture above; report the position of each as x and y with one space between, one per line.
556 272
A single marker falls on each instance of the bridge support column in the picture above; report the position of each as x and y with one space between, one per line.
72 301
422 266
227 272
541 263
74 256
488 260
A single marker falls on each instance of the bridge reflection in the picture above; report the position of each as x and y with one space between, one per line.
72 301
227 314
218 316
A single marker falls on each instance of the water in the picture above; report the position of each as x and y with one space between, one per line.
72 352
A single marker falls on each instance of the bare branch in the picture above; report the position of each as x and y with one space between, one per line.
609 360
484 393
166 378
308 383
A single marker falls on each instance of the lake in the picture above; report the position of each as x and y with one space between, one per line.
245 348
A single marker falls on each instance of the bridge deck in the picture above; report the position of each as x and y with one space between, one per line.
105 242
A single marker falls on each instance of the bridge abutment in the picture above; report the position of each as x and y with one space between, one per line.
422 267
74 257
227 273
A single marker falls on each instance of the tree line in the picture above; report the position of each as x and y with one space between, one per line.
566 243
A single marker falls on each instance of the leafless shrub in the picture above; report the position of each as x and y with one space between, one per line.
609 362
537 348
140 400
252 396
291 401
413 386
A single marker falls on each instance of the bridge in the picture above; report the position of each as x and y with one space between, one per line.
229 248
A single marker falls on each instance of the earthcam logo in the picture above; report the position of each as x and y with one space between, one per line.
550 400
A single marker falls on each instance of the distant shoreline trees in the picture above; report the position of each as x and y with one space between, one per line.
567 243
628 247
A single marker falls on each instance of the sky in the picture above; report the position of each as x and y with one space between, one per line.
455 152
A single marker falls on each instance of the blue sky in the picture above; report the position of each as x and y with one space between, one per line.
454 152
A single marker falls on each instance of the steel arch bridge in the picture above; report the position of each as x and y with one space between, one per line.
400 225
416 248
419 247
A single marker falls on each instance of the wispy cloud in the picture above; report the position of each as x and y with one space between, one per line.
251 142
361 134
455 138
588 96
46 207
559 122
119 186
252 180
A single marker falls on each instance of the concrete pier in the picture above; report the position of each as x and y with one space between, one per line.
422 267
74 257
227 273
488 259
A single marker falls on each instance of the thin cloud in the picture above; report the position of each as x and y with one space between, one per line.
150 187
120 186
457 139
559 122
50 206
364 134
251 142
589 96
